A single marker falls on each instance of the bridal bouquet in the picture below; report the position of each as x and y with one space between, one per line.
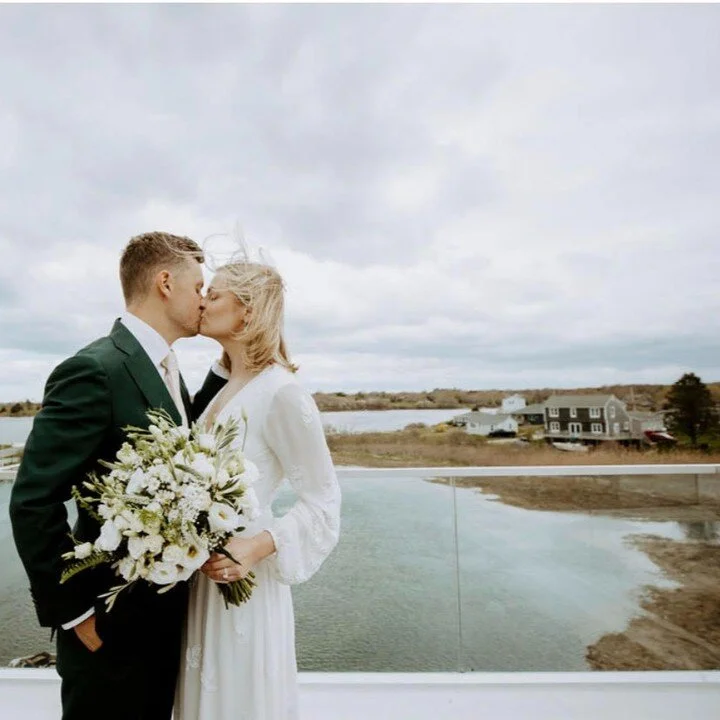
172 496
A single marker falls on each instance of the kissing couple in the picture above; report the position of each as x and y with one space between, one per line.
182 653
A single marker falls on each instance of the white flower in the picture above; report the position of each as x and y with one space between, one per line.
180 432
162 573
201 464
110 537
136 483
83 551
236 466
206 441
127 455
173 554
222 479
154 544
104 511
251 474
222 518
249 504
195 552
128 569
134 523
136 546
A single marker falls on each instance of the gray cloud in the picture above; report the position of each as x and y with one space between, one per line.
480 190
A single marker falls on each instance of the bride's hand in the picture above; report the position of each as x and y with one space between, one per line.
247 551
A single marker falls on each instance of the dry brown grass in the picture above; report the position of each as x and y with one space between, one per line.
444 446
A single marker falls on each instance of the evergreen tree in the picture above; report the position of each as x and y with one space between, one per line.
691 407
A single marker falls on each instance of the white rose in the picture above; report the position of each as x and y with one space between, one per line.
162 573
110 537
83 551
222 518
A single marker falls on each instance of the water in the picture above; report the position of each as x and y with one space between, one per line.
17 429
526 591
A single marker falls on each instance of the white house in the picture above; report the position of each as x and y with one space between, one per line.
512 403
479 423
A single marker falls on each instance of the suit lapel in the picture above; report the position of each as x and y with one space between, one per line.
143 372
187 402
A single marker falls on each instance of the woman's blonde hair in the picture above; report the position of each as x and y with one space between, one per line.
261 289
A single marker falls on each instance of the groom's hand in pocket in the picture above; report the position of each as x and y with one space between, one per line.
88 635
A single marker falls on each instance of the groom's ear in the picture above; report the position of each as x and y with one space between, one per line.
163 282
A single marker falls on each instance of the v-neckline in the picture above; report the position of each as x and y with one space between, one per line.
231 398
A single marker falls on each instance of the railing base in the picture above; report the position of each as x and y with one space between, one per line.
429 696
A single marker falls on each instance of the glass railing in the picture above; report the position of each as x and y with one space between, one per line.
494 569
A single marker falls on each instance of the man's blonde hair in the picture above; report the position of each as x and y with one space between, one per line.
147 254
261 289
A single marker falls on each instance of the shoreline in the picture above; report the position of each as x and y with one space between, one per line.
676 628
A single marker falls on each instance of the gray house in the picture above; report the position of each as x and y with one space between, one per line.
596 418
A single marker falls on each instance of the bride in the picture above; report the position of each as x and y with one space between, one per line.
239 663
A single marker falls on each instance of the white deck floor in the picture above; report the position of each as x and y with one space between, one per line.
35 694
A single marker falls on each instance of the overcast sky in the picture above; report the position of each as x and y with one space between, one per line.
468 196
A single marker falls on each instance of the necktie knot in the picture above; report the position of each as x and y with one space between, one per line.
172 379
169 362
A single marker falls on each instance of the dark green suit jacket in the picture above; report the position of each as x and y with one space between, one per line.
88 399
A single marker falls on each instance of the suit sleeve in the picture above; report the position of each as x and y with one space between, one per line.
62 448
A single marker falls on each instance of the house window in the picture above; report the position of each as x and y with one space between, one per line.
573 412
612 411
626 426
595 413
554 427
597 428
575 428
616 428
554 412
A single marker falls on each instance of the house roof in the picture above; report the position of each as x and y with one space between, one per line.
583 401
536 409
643 415
487 418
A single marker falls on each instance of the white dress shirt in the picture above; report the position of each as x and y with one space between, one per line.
156 347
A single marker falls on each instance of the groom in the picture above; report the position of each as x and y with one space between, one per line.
122 664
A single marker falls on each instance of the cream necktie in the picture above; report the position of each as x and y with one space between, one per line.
171 376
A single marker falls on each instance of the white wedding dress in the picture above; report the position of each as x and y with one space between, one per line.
239 663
